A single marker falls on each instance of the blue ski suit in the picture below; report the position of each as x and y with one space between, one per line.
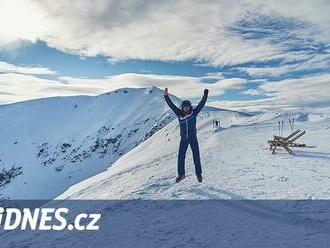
188 133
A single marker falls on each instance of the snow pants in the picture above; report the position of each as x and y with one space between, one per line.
193 142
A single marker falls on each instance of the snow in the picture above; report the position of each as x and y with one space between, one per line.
247 198
236 161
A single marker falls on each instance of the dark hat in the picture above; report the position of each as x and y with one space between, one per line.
186 103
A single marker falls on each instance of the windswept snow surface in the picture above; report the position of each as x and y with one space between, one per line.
236 161
52 143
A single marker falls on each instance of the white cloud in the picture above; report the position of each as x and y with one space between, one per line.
113 61
22 20
311 62
182 86
299 92
170 31
253 92
38 70
159 30
18 87
214 75
268 71
294 94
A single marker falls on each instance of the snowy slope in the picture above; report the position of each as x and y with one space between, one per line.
236 161
49 144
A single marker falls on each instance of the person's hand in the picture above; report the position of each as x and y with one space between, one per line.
206 91
165 92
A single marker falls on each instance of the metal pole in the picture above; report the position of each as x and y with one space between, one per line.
279 128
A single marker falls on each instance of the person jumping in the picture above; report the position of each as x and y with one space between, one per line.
188 132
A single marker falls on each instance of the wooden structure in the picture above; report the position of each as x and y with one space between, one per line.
287 142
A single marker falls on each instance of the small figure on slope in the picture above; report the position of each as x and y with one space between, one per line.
188 132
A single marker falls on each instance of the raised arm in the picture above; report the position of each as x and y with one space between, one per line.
174 108
201 104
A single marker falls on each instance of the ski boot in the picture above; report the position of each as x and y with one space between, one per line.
199 178
179 178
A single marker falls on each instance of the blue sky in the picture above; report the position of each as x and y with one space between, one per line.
67 64
253 56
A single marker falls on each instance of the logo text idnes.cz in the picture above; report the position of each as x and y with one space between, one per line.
46 219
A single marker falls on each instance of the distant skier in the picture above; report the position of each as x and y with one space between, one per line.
187 119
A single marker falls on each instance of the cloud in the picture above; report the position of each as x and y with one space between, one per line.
181 86
38 70
22 20
313 62
113 61
307 93
18 87
268 71
254 92
170 30
262 39
214 75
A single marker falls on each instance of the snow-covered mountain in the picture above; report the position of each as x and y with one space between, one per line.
49 144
